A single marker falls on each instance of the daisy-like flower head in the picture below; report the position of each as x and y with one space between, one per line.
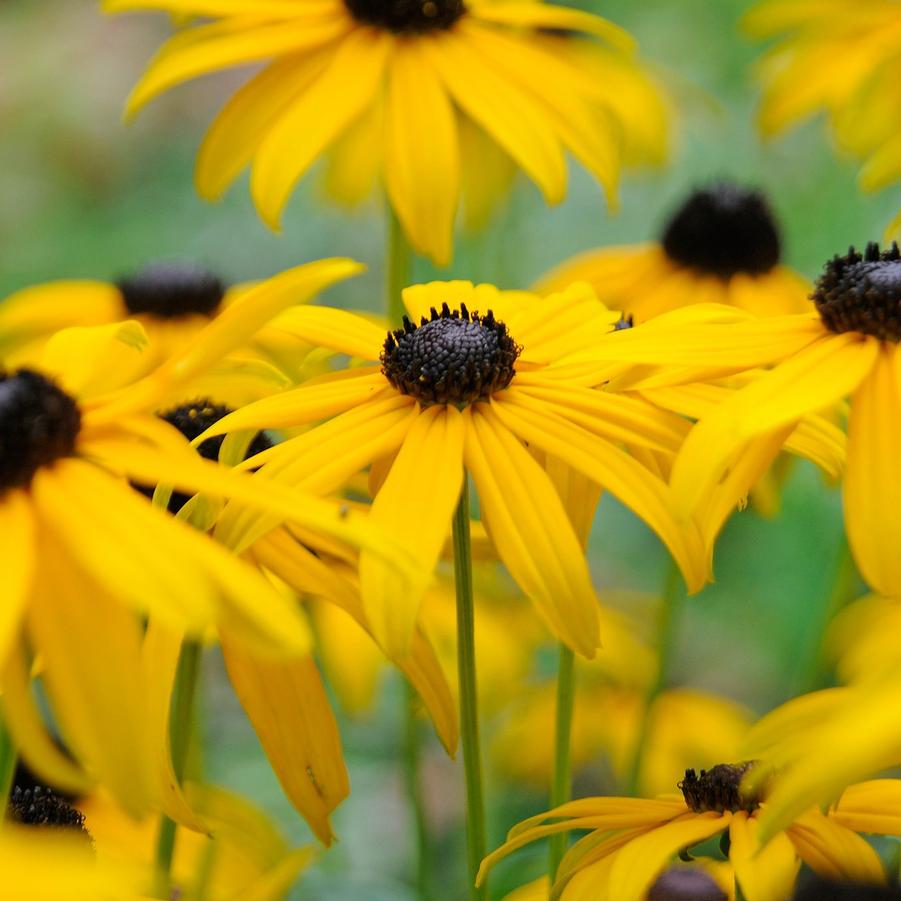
172 290
722 245
40 806
848 347
466 388
632 842
410 92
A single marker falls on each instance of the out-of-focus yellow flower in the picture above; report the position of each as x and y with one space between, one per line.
842 58
387 85
683 726
631 841
721 246
862 639
467 389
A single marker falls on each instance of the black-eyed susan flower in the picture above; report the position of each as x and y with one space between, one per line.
842 59
632 841
407 73
468 389
847 347
77 530
722 245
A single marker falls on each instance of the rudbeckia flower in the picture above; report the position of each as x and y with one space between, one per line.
848 347
632 841
76 530
721 246
459 389
408 73
841 58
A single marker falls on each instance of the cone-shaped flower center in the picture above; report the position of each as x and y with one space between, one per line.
39 423
685 884
720 789
456 357
407 15
171 290
724 230
192 420
862 293
41 807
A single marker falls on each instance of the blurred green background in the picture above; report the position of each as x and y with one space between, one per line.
83 196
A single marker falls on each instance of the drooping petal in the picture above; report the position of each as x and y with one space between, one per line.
763 873
316 118
422 155
287 705
17 562
873 806
530 529
872 492
415 505
340 330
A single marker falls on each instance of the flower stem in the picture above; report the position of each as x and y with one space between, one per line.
412 772
561 786
398 265
469 715
181 724
667 619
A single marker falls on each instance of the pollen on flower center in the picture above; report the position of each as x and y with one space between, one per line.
39 806
407 15
720 789
172 290
862 293
456 357
724 230
39 424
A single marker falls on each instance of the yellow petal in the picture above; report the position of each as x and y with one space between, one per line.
415 505
287 705
872 490
763 873
873 807
422 157
529 527
17 562
340 330
317 117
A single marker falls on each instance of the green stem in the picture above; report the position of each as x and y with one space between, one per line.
412 769
561 786
398 266
667 619
469 716
181 721
8 757
813 670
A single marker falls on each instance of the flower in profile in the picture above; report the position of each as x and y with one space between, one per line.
840 58
76 530
632 842
468 389
722 245
416 77
849 347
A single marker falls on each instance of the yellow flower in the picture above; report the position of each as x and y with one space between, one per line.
862 639
850 348
408 74
76 529
467 390
631 841
721 246
842 58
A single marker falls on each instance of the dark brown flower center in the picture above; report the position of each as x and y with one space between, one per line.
172 290
724 230
862 293
720 789
456 357
39 806
39 424
192 420
685 884
407 15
